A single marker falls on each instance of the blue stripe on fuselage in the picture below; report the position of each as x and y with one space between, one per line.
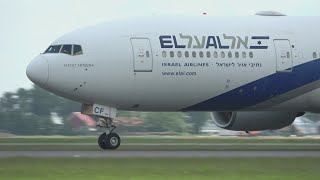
262 89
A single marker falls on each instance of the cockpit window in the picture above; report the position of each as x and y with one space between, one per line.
67 49
53 49
70 49
77 50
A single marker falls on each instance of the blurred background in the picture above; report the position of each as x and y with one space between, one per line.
36 112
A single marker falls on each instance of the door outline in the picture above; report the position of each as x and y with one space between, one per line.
279 61
135 68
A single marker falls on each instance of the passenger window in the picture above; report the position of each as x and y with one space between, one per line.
77 50
171 54
164 54
186 54
237 54
53 49
208 54
251 54
215 54
314 55
201 54
223 54
147 54
66 49
244 55
194 54
179 54
230 54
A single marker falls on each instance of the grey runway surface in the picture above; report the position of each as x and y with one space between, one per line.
155 154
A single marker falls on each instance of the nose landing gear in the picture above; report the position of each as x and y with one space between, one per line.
109 139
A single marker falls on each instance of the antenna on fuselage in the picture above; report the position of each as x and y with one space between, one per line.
269 13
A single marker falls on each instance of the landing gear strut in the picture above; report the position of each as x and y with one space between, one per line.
109 139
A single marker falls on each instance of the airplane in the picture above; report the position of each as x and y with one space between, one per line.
251 73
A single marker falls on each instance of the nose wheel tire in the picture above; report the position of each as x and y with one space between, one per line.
109 141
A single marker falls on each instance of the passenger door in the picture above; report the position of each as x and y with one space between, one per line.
284 55
142 53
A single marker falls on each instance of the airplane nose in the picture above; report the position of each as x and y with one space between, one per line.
38 71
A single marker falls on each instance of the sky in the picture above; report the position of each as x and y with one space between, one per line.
27 27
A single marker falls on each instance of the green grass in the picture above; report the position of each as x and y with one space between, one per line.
161 143
160 168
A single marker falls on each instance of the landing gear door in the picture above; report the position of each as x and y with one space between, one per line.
284 55
142 55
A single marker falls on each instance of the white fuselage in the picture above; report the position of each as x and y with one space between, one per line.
241 64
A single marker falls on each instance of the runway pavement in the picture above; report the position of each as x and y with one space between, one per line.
158 154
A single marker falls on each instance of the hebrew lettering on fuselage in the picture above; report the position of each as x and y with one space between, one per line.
217 42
